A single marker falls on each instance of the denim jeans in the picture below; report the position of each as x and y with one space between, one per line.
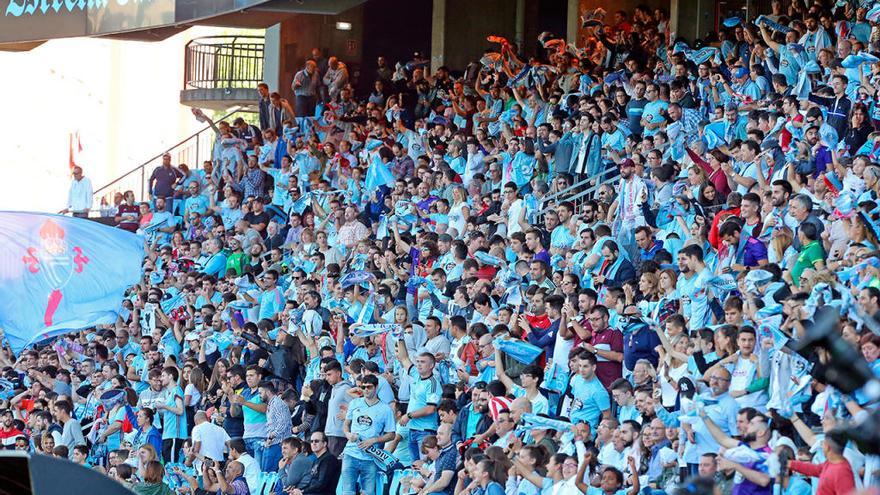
415 442
255 448
357 472
271 456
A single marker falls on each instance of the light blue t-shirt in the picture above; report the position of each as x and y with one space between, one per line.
652 115
271 302
422 392
367 421
590 399
173 425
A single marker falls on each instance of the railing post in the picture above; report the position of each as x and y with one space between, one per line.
143 183
198 162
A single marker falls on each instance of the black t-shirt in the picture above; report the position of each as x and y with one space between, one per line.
257 218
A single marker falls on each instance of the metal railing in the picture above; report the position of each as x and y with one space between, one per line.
580 192
192 151
223 62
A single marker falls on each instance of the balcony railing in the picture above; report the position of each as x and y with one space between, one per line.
223 62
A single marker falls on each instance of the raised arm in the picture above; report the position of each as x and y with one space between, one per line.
403 354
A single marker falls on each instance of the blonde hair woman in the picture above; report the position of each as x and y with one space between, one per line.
459 211
781 251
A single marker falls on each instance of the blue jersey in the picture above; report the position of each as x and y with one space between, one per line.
173 425
590 399
695 299
652 115
422 392
367 421
271 302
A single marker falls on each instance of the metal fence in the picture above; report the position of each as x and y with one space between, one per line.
218 62
580 192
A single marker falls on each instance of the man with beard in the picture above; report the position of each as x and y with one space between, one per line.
645 403
8 431
693 286
473 418
625 212
754 478
818 150
780 193
636 107
607 344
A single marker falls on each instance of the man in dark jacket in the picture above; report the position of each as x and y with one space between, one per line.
325 471
473 419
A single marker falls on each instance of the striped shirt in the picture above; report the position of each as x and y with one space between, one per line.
278 421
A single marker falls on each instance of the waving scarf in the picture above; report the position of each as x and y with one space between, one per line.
520 351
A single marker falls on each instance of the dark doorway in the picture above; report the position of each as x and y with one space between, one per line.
552 17
393 29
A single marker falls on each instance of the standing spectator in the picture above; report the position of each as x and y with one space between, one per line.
607 344
337 406
79 197
209 440
335 78
263 104
835 474
254 411
590 400
368 422
278 426
173 415
72 435
163 181
305 89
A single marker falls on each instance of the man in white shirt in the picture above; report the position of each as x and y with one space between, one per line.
237 452
209 440
79 197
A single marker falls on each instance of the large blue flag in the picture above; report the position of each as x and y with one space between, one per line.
59 274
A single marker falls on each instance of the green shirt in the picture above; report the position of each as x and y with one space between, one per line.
810 254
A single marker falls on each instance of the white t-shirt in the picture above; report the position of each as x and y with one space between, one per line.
251 471
513 214
195 395
213 440
744 373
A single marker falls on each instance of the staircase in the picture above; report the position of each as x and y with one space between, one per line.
580 192
193 150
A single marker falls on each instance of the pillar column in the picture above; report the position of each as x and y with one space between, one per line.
572 21
520 25
438 35
272 57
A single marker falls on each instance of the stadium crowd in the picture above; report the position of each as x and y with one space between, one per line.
404 293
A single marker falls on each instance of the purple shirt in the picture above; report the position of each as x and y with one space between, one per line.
746 487
754 252
542 255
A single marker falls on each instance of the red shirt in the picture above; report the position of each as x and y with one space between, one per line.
834 478
608 339
7 437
